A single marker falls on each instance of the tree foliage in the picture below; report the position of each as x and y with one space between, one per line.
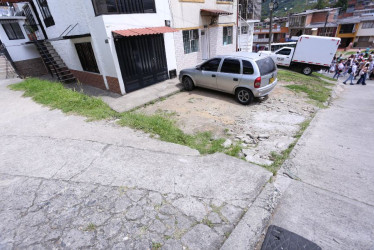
321 4
343 4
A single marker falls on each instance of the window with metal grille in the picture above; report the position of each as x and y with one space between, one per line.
191 41
104 7
87 57
227 35
13 31
30 18
46 13
368 25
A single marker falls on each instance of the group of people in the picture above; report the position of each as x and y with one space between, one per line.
359 65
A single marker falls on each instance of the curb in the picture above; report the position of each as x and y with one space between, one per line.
252 227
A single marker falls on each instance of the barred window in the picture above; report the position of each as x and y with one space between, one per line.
191 41
368 25
87 57
227 35
13 31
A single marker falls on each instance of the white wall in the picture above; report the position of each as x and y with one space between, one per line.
364 32
65 13
216 47
187 14
18 50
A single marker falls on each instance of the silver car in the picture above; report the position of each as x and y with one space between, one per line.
244 74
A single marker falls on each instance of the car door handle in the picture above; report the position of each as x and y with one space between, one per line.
213 75
235 79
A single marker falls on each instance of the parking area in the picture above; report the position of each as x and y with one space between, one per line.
261 128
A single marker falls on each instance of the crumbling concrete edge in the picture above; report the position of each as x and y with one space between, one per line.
252 227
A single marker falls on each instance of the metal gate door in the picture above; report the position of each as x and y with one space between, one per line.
142 60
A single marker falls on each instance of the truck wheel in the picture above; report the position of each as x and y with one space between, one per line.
307 70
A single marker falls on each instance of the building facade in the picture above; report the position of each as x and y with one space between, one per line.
126 45
314 22
205 29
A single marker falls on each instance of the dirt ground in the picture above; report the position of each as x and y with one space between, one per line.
261 127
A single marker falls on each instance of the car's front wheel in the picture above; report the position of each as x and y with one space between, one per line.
188 83
244 96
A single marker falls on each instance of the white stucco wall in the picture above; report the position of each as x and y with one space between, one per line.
364 32
216 47
18 50
65 13
187 14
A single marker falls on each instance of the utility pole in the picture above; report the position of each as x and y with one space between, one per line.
271 7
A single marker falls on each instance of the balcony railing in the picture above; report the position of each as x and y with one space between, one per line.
123 6
34 32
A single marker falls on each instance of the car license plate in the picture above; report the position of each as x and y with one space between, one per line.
271 80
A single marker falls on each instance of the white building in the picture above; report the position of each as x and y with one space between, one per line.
13 36
125 45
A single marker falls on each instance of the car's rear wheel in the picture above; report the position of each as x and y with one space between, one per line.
188 83
244 96
307 70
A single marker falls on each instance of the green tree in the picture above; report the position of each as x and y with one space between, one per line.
343 4
321 4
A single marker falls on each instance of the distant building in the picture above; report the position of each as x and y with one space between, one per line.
279 32
314 22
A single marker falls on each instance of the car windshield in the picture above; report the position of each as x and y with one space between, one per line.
266 65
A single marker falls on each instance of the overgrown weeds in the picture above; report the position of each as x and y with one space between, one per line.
54 95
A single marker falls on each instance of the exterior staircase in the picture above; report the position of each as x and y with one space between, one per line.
6 69
53 62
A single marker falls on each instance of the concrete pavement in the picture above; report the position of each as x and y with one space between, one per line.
68 183
333 202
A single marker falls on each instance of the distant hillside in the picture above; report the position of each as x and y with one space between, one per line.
287 6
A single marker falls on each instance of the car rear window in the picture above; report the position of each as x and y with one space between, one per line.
266 66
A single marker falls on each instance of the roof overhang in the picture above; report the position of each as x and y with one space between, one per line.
211 12
76 36
144 31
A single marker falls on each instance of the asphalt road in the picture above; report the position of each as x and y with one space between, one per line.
333 202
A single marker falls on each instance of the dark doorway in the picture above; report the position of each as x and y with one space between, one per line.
142 60
345 42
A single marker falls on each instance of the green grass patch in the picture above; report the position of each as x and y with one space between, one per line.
54 95
325 77
316 89
168 131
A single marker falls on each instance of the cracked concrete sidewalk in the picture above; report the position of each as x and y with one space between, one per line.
67 183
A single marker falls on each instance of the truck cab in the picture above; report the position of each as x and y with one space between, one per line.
283 56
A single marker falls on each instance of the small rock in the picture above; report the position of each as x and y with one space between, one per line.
227 143
156 198
258 160
134 213
263 136
201 237
214 218
157 227
231 213
135 194
191 207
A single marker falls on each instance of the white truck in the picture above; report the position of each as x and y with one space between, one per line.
312 53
